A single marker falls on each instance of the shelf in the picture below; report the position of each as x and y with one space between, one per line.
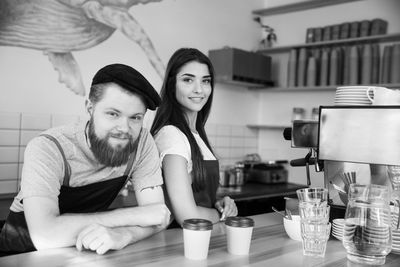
253 85
298 7
324 88
268 126
368 39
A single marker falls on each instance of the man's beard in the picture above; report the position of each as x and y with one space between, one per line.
105 153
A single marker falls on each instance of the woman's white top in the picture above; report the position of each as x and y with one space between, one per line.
172 141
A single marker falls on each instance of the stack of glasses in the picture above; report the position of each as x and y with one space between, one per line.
314 215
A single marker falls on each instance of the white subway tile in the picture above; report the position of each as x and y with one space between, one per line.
21 153
61 119
35 121
250 142
211 129
10 120
223 130
26 136
9 154
238 130
237 141
213 141
8 171
7 187
9 137
237 152
223 141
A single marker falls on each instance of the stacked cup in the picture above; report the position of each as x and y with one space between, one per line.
314 217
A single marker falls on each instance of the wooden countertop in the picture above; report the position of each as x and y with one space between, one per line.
270 247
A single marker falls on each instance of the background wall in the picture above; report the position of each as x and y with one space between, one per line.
29 83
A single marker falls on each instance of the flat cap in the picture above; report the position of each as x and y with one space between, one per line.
131 80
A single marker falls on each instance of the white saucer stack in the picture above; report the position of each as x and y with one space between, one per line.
396 241
337 228
352 95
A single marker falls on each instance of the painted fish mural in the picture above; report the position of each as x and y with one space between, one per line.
59 27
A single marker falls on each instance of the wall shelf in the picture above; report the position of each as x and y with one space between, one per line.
368 39
321 88
298 7
268 126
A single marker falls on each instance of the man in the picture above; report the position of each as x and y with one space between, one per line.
71 174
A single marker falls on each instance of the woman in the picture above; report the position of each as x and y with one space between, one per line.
190 169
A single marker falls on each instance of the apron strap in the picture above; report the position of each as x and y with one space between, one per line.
67 167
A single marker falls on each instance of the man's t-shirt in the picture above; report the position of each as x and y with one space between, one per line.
43 169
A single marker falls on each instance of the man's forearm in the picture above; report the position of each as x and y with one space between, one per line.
62 230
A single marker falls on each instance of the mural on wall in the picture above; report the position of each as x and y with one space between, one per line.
59 27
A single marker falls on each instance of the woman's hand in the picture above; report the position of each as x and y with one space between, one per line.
226 207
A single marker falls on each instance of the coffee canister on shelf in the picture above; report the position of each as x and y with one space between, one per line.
395 64
311 72
354 29
386 64
324 67
334 67
301 67
375 63
366 64
292 68
346 65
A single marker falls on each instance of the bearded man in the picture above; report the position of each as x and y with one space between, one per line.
72 173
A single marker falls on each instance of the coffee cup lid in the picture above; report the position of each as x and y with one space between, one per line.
237 221
197 224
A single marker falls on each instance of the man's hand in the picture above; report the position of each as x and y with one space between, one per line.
226 207
101 239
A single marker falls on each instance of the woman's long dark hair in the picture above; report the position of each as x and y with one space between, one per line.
170 112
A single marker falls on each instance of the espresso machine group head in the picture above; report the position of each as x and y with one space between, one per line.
304 134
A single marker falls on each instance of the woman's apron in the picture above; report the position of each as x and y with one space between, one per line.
208 195
15 238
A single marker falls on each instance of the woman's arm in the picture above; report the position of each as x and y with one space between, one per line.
179 189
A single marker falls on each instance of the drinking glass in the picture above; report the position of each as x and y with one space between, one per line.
314 214
315 237
315 196
367 232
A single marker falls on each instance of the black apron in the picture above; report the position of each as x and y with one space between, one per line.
208 195
15 238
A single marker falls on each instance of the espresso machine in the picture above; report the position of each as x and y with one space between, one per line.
350 144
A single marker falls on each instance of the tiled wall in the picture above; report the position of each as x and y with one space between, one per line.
230 142
16 129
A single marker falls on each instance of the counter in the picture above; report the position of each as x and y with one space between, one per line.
247 192
251 191
270 247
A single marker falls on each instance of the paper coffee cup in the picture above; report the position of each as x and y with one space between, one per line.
238 234
196 238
